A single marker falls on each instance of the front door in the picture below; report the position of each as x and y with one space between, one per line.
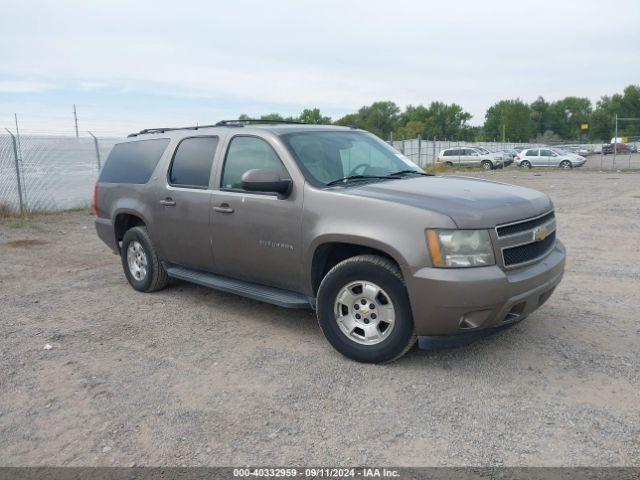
256 237
182 207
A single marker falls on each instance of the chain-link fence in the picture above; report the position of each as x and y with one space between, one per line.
49 173
52 173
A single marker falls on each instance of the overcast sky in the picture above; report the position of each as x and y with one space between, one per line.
135 64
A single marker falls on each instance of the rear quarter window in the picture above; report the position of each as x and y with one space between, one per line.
133 162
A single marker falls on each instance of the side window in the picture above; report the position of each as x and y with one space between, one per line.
191 166
467 152
249 153
447 153
531 153
546 153
133 162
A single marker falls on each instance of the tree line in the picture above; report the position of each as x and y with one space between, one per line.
511 120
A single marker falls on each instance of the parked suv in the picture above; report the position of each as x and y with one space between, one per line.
330 218
548 157
471 157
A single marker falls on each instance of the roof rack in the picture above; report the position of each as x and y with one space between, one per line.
222 123
234 123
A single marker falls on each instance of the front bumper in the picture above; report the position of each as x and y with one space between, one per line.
459 301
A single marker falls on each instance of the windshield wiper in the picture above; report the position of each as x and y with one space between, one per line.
405 172
352 177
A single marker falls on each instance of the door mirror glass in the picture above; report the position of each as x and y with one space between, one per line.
257 180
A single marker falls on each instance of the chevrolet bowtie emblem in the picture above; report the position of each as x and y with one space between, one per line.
540 233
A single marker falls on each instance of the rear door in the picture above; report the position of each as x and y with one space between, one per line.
532 156
182 204
549 158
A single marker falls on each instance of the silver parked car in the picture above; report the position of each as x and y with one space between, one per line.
548 157
471 157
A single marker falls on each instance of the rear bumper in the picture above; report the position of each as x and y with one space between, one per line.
106 233
457 301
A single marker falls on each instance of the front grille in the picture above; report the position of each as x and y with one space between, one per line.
524 226
528 252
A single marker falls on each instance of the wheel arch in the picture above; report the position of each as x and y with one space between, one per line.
125 219
331 250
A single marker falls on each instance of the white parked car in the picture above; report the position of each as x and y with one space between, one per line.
548 157
471 157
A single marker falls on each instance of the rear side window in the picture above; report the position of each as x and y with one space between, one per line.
191 165
531 153
133 162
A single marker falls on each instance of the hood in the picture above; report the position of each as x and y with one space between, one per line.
469 202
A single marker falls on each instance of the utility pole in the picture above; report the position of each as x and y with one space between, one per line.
503 133
75 118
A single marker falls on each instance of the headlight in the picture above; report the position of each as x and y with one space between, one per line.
460 248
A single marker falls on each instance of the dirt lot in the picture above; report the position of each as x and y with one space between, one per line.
190 376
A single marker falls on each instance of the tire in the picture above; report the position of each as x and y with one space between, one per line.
155 276
525 164
395 339
566 164
486 165
449 164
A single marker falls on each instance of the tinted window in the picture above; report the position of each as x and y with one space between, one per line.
249 153
191 166
531 153
133 162
468 152
546 153
452 153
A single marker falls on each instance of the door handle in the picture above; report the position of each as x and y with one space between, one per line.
168 202
223 208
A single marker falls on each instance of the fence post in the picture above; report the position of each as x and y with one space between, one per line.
433 157
97 147
419 150
15 156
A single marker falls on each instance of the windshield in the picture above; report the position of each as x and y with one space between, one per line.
329 156
482 150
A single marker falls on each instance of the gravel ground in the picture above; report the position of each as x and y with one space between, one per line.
191 376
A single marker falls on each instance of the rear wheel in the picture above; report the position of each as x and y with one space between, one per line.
141 264
566 164
449 164
487 165
525 164
363 310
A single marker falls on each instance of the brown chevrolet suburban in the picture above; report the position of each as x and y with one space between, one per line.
329 218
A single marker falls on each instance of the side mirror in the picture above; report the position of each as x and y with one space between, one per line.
265 181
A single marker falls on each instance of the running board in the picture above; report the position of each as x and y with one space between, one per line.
276 296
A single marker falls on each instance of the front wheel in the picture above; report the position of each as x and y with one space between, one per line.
566 164
487 165
363 310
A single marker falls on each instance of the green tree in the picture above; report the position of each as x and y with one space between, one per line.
566 116
540 115
379 118
625 105
313 116
511 117
437 120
